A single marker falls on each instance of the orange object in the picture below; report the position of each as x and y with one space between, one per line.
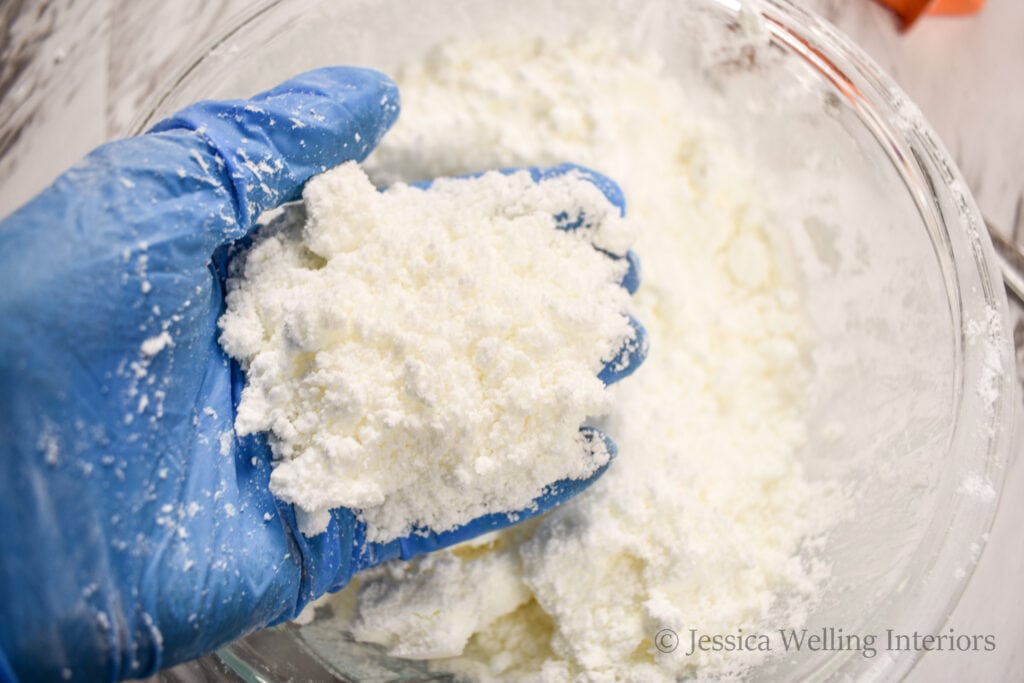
910 10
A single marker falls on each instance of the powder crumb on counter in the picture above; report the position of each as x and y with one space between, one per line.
427 356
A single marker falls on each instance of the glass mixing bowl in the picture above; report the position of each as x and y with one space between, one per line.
911 405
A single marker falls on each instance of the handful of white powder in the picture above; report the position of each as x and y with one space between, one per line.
427 356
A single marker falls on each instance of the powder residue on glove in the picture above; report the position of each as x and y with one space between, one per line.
706 519
427 356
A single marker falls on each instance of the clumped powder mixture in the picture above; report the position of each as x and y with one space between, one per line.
427 356
706 520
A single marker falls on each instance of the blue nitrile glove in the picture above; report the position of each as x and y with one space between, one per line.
137 530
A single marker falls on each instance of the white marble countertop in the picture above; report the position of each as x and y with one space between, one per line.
964 73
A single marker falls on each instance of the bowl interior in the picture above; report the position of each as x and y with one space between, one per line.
889 282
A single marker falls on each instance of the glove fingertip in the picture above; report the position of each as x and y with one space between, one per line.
631 280
608 187
368 97
632 354
597 445
265 148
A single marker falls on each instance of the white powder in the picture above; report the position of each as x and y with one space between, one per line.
705 518
156 344
428 356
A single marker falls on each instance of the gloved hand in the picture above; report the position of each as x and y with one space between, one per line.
137 530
